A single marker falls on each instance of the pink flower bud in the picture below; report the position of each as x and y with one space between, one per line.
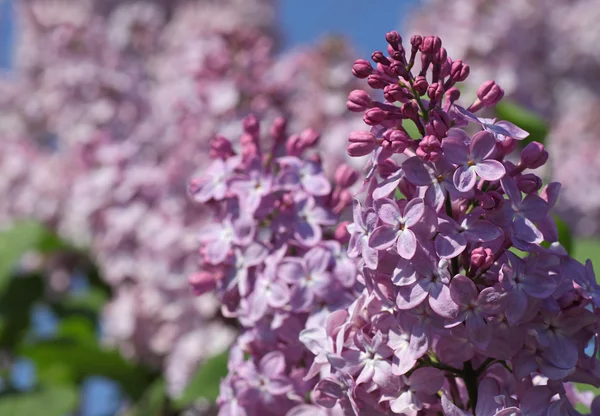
430 149
441 56
529 183
293 146
202 282
377 81
396 141
395 92
221 148
345 176
420 85
359 101
399 70
374 116
361 143
387 167
534 155
489 93
362 68
507 146
278 129
341 233
431 45
482 258
459 71
416 41
251 125
380 58
309 138
410 110
438 124
490 200
435 92
393 38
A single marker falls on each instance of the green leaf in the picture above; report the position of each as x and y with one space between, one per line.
565 238
83 359
16 302
584 249
153 401
205 383
398 194
48 401
524 118
14 242
411 129
585 387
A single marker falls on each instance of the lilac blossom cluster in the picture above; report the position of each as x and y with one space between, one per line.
544 54
471 305
467 303
277 260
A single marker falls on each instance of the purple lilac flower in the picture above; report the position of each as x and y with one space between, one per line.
450 319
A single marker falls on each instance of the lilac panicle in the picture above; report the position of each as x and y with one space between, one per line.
272 254
470 305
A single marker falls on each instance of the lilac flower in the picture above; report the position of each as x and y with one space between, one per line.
520 214
218 239
370 361
422 382
473 160
309 217
501 130
360 230
475 308
453 237
308 174
397 226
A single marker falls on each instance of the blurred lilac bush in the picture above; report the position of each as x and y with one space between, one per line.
460 299
110 110
545 55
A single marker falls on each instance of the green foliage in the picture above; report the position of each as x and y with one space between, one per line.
524 118
153 402
205 383
47 401
411 129
588 249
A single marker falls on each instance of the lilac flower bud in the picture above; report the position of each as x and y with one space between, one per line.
489 93
309 138
221 148
435 92
399 70
377 81
438 125
251 125
420 85
482 258
359 101
529 183
341 233
395 92
441 56
397 55
534 155
202 282
431 45
445 69
507 146
416 41
386 168
380 58
293 145
393 38
345 176
278 129
361 143
362 68
430 149
410 110
491 200
374 116
459 71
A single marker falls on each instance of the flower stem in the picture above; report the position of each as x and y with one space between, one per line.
471 382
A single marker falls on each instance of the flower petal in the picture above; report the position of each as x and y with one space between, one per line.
464 178
490 170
